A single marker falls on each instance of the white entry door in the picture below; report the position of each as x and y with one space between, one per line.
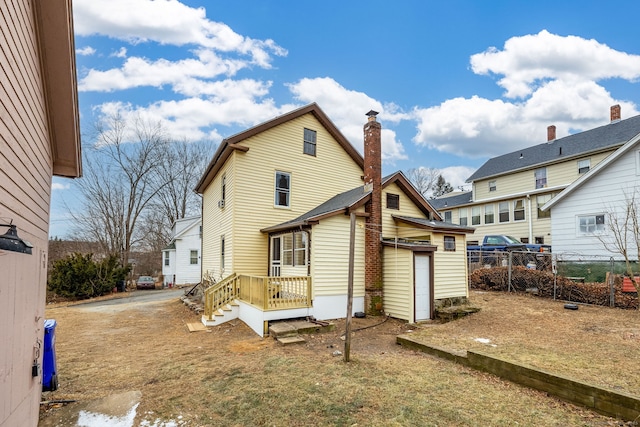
422 286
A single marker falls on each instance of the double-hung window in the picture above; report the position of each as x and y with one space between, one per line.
462 213
492 186
166 258
222 253
541 200
475 215
503 211
193 257
541 177
518 210
488 214
584 165
283 189
309 142
447 217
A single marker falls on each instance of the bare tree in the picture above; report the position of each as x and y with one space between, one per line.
124 174
429 182
624 238
424 179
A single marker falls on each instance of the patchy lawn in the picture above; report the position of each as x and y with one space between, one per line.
593 344
228 376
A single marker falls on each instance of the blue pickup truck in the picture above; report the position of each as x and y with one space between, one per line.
493 244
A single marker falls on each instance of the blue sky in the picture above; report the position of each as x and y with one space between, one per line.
455 82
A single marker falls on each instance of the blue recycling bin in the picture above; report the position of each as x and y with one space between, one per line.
49 370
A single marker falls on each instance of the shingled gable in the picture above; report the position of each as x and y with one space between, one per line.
592 141
228 145
345 203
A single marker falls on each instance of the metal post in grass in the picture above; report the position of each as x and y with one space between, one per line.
612 294
352 238
509 267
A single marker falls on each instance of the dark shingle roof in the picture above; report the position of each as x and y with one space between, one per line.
435 225
338 202
607 136
447 202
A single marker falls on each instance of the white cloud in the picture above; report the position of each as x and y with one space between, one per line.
85 51
457 175
555 76
167 22
58 186
347 108
120 53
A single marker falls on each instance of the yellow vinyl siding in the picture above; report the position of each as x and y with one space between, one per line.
407 208
218 222
450 271
398 283
314 179
330 256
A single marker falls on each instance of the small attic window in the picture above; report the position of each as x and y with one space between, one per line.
393 201
309 142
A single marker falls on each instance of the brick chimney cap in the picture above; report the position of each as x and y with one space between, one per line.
372 113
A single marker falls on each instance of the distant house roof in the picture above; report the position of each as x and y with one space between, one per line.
228 145
445 202
604 137
350 200
629 145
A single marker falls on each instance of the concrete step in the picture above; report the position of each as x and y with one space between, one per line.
295 339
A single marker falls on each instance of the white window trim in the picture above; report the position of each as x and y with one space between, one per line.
596 232
524 210
276 193
197 256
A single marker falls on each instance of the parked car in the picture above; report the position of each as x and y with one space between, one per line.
495 248
145 282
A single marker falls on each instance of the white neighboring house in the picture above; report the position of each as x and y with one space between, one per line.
581 214
181 259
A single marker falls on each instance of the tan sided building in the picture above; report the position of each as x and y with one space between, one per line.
509 191
276 220
39 138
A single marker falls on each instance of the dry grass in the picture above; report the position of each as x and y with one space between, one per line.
598 345
230 377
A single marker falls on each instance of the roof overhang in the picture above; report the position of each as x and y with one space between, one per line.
54 20
415 247
438 226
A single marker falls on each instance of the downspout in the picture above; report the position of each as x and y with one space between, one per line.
530 219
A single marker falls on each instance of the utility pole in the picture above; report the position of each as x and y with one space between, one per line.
352 239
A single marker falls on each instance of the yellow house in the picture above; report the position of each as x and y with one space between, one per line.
276 221
508 191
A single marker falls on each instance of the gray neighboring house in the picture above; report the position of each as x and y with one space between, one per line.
509 191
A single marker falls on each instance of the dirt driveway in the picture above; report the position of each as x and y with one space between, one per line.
228 376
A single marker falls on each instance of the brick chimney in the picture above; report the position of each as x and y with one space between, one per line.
551 133
615 112
373 233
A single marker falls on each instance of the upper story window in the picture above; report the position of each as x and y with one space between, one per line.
166 258
393 201
584 165
450 243
462 214
492 185
475 215
518 210
541 177
309 142
488 214
283 189
541 200
589 225
503 211
447 217
223 189
193 257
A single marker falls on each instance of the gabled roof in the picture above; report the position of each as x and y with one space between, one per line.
598 139
345 203
628 146
189 223
228 145
451 201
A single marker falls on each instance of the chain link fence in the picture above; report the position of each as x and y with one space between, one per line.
597 280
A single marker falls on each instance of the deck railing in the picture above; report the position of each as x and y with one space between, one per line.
266 293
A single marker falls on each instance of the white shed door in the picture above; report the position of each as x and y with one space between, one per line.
421 277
